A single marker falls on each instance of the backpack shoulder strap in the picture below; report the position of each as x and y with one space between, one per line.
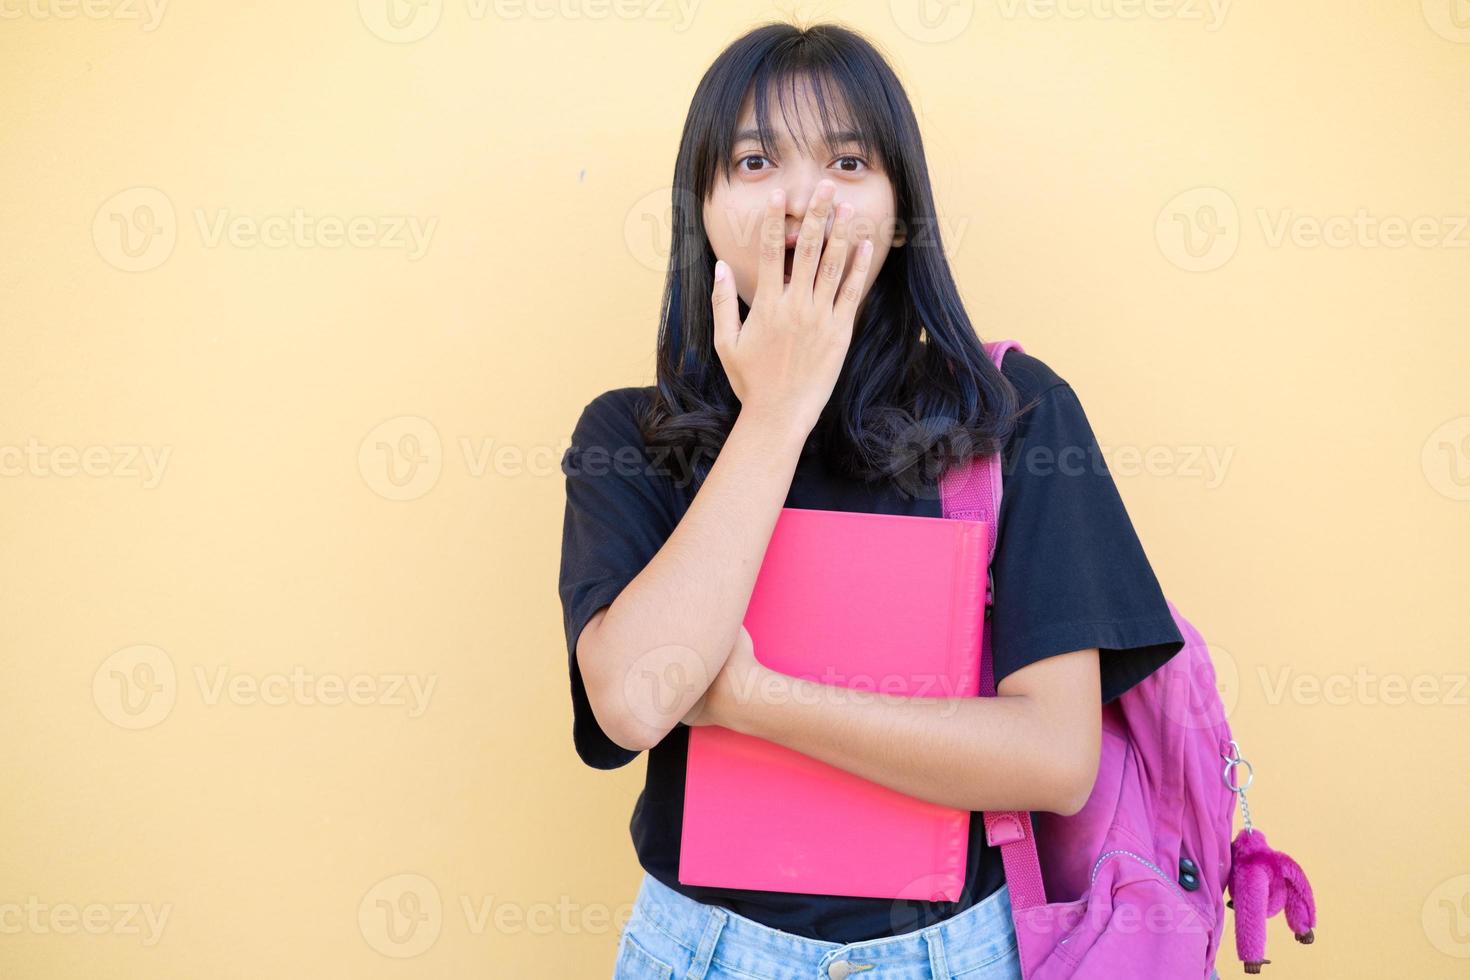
972 492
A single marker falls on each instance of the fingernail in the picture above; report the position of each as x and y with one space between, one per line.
719 270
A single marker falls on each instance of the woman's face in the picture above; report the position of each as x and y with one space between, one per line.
735 208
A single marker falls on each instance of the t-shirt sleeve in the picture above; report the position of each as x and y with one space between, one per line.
619 513
1070 571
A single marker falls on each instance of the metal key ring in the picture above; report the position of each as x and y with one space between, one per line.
1249 777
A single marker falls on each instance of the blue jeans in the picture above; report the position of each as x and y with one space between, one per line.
669 936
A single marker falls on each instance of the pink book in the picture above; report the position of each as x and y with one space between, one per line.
877 602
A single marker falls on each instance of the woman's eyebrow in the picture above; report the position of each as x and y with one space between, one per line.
840 138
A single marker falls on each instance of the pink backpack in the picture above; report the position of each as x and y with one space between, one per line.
1140 871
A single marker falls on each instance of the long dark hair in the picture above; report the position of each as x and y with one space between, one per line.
917 393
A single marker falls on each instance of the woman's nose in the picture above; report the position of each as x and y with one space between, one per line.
801 194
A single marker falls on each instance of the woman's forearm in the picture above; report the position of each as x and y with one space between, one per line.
974 753
664 638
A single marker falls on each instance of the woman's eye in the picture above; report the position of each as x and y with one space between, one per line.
840 160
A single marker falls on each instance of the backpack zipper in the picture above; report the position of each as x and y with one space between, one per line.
1142 860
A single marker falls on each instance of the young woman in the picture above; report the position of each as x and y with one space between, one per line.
814 353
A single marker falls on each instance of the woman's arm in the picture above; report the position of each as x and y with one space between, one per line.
1033 747
647 657
665 637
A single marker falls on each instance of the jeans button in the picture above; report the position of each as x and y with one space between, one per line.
839 969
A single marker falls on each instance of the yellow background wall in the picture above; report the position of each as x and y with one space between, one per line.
257 471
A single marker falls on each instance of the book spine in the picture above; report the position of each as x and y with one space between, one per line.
968 609
968 614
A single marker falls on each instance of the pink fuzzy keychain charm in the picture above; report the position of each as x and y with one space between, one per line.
1262 882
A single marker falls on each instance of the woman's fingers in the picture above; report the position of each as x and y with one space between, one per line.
852 287
768 280
833 259
809 238
726 310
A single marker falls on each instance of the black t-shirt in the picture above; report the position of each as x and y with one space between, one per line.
1069 572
